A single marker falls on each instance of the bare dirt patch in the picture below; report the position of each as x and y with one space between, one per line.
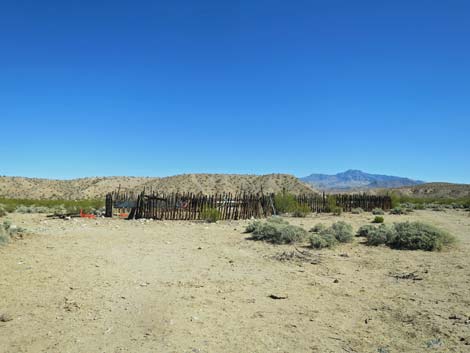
135 286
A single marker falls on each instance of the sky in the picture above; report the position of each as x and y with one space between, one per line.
157 88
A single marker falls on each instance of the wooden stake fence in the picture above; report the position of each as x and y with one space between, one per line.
189 206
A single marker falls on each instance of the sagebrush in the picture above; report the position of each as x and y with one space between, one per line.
339 232
378 211
277 231
410 236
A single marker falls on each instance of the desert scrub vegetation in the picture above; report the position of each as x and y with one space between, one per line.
339 232
397 211
410 236
317 228
301 211
71 206
277 231
332 207
210 214
7 230
378 219
287 203
3 211
363 231
322 240
378 211
357 210
380 235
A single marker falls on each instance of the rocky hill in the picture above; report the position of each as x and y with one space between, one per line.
88 188
356 180
433 190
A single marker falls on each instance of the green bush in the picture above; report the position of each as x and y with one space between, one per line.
419 236
3 211
397 211
364 230
380 235
70 205
357 210
317 228
285 203
378 211
210 214
337 211
301 211
378 219
322 240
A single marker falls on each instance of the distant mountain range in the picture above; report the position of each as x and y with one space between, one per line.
357 180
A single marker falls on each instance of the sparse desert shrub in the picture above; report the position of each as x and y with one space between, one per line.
322 240
252 226
33 209
210 214
397 211
337 211
342 231
364 230
277 220
285 203
419 236
378 219
380 235
378 211
301 211
278 232
3 211
291 234
438 208
7 230
72 206
317 228
357 210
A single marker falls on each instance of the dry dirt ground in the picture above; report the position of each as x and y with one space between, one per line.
131 286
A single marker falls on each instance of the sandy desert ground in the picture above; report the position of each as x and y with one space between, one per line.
134 286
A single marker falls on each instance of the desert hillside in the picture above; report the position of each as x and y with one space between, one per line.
85 188
433 190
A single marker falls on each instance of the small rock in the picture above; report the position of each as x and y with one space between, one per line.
274 296
5 318
336 281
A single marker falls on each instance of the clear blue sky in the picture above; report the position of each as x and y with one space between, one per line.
159 88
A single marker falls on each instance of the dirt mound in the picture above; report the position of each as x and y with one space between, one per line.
85 188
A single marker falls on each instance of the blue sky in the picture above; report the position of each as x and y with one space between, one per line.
158 88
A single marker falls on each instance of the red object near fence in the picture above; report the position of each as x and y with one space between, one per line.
87 215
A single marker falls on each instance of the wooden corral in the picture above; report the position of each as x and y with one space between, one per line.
189 206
